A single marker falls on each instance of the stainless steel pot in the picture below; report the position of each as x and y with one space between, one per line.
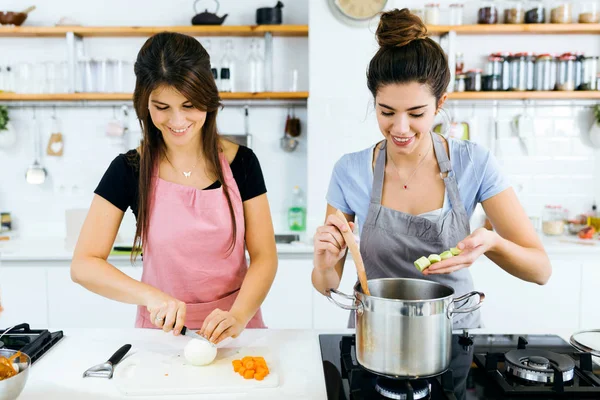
404 328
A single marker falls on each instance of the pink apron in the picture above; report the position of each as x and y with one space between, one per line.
186 251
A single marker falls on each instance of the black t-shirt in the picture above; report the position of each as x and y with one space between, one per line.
119 185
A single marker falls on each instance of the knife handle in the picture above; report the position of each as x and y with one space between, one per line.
119 354
183 330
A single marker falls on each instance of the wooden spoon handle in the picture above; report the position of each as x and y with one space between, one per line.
358 261
28 10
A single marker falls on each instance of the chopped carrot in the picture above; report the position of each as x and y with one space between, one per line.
249 365
249 374
261 370
247 358
259 377
241 371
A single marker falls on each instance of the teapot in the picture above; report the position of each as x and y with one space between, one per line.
207 18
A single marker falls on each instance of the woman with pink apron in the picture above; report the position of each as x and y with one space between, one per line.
200 202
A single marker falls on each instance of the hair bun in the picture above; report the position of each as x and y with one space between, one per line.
398 28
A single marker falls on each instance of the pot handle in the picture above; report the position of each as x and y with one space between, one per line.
352 307
453 310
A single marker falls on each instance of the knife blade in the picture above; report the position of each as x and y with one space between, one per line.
190 333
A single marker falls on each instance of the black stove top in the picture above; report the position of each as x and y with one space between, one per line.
490 367
33 342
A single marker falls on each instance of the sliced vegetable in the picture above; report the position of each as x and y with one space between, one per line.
433 258
446 255
455 251
422 263
251 367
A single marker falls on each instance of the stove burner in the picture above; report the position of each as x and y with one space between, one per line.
538 365
399 389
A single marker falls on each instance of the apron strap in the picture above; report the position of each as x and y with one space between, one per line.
378 174
449 180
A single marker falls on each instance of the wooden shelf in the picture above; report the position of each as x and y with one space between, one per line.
554 95
502 29
129 96
144 31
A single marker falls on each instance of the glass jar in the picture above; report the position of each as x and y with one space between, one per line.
514 13
561 12
589 12
460 83
590 72
487 13
460 63
494 66
473 81
565 78
553 220
418 12
491 83
505 73
432 14
545 72
535 12
579 57
521 72
456 14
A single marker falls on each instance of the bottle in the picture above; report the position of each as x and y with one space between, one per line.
297 211
228 64
256 69
213 67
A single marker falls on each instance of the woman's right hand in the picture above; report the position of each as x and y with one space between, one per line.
329 243
166 312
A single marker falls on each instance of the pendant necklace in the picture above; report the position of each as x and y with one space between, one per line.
405 186
187 174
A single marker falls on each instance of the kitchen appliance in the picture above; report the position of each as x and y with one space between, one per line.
207 18
403 319
106 369
490 367
269 15
33 342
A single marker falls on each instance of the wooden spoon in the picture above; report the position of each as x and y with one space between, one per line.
351 242
28 10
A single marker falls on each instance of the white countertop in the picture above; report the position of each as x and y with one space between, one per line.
58 374
54 249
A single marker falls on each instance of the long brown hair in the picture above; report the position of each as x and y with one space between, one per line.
181 62
407 55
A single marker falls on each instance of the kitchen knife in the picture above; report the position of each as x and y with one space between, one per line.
187 332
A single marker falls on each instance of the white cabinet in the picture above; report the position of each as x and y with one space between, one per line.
72 306
590 306
289 302
327 315
23 296
513 305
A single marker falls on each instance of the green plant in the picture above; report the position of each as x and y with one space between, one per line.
597 113
4 118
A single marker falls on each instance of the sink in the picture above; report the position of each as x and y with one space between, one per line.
286 238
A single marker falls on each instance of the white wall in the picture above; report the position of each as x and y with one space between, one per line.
560 168
39 210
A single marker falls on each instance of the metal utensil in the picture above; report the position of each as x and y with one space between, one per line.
36 174
185 331
105 370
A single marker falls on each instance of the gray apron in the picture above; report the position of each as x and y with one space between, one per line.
391 240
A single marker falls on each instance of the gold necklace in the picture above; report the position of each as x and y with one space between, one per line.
405 186
187 174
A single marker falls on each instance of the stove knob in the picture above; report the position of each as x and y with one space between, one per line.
465 340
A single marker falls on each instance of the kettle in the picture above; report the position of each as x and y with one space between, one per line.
207 18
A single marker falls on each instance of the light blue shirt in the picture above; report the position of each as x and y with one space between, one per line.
476 169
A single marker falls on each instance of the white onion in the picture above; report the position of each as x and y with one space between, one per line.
199 352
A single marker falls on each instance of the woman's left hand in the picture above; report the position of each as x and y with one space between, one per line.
220 325
471 247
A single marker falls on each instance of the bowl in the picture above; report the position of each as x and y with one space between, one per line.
12 387
12 18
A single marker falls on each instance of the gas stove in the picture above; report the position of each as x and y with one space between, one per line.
33 342
490 367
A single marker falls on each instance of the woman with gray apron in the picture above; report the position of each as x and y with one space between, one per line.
414 192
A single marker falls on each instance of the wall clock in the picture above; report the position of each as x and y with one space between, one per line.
357 10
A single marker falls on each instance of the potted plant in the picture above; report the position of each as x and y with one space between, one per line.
7 134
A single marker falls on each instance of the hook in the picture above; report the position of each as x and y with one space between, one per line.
54 112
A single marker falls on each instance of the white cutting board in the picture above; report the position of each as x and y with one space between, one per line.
164 372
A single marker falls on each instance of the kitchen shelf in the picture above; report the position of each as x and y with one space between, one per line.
129 96
551 95
144 31
501 29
